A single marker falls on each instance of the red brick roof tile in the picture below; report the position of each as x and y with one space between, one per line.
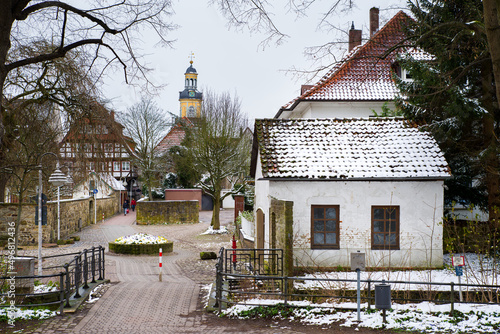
365 73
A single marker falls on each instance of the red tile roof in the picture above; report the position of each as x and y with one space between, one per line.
173 138
365 74
176 134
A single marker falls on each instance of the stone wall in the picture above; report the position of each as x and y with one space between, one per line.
183 195
75 214
167 212
281 231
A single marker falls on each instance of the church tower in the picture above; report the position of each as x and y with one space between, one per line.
190 98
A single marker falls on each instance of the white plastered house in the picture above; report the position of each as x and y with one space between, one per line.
357 183
373 185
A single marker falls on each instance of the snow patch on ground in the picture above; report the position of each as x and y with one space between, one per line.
210 230
17 314
423 317
206 289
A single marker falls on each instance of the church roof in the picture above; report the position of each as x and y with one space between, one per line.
365 73
185 95
191 69
332 149
175 136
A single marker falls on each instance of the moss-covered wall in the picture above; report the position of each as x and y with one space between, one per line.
167 212
281 231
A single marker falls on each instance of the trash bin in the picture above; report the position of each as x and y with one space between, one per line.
383 296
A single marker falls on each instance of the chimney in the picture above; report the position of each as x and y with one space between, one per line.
373 20
354 37
305 88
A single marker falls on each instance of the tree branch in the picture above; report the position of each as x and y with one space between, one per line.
47 4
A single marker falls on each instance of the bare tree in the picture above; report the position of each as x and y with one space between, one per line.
61 86
219 147
105 33
34 135
147 124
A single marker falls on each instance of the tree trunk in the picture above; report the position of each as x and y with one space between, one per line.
216 211
6 21
4 178
19 212
490 161
491 10
491 168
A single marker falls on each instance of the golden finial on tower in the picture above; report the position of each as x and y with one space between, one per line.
191 56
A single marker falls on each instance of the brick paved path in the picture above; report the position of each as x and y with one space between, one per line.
136 302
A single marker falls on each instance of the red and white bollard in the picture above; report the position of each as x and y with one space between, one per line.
161 253
234 252
103 217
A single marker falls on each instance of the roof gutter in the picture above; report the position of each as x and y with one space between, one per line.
365 179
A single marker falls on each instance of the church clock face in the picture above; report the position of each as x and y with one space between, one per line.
191 94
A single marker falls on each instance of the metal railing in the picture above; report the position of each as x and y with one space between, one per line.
73 279
237 286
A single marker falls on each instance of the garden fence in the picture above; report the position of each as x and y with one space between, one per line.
72 278
238 280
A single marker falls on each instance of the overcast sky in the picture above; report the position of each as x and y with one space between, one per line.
229 60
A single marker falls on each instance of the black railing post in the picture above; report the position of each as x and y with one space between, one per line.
285 290
61 293
99 264
93 264
68 284
217 285
103 264
219 267
77 276
85 269
369 293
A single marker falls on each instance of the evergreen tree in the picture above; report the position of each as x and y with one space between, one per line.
452 94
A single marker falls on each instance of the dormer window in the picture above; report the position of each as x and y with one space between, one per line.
405 75
402 73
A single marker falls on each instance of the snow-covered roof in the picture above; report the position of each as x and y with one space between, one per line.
112 182
365 73
347 148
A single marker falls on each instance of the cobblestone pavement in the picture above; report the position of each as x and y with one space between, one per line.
135 301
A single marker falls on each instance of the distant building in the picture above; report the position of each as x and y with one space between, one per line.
354 183
97 144
363 82
190 98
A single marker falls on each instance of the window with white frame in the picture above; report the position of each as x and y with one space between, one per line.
125 165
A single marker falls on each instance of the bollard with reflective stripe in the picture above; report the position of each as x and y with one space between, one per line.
160 267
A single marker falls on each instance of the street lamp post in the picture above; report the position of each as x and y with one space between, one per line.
125 186
57 179
131 186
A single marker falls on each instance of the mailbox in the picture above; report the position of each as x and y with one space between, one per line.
383 296
358 261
